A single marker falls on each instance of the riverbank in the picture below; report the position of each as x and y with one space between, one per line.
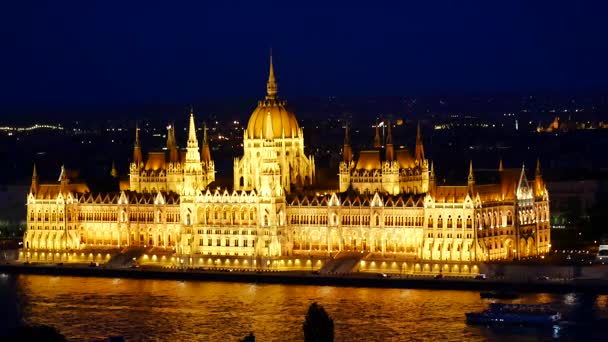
597 286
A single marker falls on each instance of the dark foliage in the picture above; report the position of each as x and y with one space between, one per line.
36 333
318 326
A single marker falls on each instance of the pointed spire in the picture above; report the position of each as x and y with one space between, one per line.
377 136
471 178
172 144
432 179
538 180
170 141
137 135
347 134
500 168
347 152
192 140
63 177
138 158
114 172
192 153
34 186
390 149
205 138
419 152
271 86
389 133
205 151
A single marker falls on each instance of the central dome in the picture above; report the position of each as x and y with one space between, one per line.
281 121
271 119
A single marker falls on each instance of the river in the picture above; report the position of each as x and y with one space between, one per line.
86 309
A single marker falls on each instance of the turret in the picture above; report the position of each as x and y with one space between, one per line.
138 158
390 149
419 152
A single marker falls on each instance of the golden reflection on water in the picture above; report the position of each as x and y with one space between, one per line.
165 310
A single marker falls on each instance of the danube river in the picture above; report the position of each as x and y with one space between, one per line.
166 310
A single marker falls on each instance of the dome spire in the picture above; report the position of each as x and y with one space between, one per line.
271 86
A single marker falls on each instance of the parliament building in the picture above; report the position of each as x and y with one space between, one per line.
387 202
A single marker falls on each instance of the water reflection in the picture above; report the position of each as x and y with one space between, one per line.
95 308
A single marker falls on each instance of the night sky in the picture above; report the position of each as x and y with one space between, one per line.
88 53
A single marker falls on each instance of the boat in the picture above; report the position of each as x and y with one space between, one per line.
500 294
518 314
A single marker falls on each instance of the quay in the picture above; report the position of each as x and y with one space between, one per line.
375 280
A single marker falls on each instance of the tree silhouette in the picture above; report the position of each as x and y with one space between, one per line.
318 326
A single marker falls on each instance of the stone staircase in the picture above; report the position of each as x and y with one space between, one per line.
126 257
343 262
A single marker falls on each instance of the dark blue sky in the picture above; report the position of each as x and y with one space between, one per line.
80 53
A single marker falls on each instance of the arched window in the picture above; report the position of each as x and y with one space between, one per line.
449 221
469 222
430 222
439 222
509 218
377 220
459 222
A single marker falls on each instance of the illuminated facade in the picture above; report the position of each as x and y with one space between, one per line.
386 202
